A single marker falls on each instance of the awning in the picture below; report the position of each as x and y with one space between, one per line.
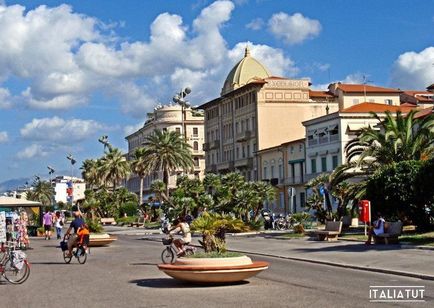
15 202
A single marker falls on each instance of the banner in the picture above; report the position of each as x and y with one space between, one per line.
2 227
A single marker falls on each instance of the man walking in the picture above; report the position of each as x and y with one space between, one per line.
48 222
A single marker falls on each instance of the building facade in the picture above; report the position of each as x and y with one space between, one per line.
186 121
284 167
255 111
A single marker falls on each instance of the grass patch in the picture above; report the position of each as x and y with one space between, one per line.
215 254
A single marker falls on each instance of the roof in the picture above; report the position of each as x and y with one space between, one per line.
424 112
15 202
430 87
375 107
420 96
245 71
323 94
361 88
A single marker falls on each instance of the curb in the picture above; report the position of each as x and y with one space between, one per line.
341 265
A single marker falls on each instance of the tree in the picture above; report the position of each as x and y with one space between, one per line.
138 166
393 190
167 151
42 192
400 138
90 172
114 167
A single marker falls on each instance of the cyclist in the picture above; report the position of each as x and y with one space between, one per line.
75 225
181 226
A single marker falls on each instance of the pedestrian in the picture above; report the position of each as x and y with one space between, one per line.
377 228
48 222
58 223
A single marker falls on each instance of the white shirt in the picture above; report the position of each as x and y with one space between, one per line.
380 229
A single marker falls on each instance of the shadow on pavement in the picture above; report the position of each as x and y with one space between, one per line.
164 283
48 263
350 248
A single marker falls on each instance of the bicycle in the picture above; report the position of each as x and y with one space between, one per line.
14 266
169 254
80 252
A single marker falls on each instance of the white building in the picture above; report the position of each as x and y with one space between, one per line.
60 189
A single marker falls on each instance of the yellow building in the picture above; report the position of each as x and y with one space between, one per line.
256 111
171 118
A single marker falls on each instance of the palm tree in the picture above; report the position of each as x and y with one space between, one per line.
43 192
114 167
138 166
265 193
400 138
167 151
90 174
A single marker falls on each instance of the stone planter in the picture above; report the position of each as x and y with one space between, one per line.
213 270
100 239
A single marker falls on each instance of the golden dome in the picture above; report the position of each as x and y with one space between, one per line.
245 71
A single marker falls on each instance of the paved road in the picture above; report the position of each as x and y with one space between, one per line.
125 275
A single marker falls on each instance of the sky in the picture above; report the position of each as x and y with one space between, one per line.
72 71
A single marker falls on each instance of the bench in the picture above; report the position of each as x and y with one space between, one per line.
331 231
392 230
108 221
138 223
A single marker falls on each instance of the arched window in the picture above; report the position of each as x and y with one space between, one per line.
195 146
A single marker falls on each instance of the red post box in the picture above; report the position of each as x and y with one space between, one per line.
365 211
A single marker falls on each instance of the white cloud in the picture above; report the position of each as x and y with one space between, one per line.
32 151
273 58
65 57
293 29
58 130
4 137
129 129
414 70
5 99
255 24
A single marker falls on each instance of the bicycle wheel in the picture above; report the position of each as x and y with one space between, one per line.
66 257
167 256
15 275
81 255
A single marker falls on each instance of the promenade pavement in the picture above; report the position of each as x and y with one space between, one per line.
393 259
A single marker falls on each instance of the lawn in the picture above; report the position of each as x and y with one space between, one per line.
414 239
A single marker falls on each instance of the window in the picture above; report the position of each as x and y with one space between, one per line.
388 101
294 203
272 171
195 146
178 130
334 161
323 164
264 176
302 199
282 200
195 131
248 150
196 162
238 152
280 172
313 165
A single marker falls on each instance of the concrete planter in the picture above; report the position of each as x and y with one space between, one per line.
100 239
213 270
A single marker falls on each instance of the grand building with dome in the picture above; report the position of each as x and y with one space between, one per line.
256 111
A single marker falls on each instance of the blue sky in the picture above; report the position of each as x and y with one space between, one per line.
73 71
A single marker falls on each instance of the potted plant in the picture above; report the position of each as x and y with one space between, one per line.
216 264
97 235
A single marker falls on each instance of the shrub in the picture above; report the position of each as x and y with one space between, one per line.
129 208
94 226
299 229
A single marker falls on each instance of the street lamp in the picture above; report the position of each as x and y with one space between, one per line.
104 141
179 99
70 183
51 172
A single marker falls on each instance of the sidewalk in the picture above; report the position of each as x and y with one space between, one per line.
392 259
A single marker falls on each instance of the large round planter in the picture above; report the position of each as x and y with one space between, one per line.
100 239
213 270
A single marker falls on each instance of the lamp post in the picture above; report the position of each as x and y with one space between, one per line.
104 141
51 172
70 185
179 99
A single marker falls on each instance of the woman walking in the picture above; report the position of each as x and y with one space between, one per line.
58 223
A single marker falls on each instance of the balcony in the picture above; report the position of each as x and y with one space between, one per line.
211 145
244 136
244 163
294 180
